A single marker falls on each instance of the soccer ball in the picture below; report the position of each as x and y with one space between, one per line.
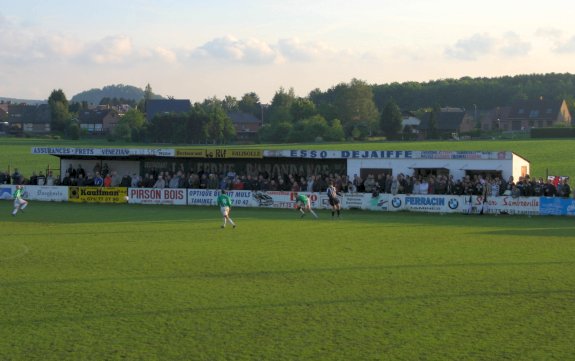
127 198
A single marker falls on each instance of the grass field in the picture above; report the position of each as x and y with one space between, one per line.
129 282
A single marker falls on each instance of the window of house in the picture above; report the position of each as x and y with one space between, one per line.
534 114
549 111
521 111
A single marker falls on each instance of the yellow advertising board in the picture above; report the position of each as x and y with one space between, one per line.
98 194
190 153
219 153
245 153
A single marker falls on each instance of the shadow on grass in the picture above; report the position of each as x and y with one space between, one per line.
65 213
281 273
290 304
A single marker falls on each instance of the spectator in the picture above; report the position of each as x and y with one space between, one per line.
71 171
66 180
149 182
108 180
81 181
34 179
175 180
81 171
49 179
16 177
136 180
550 190
424 186
41 180
116 180
160 183
126 181
237 183
563 189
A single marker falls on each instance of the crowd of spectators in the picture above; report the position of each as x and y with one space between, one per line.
484 185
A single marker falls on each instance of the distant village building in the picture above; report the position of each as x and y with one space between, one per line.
30 118
166 106
100 120
527 114
449 123
409 123
246 125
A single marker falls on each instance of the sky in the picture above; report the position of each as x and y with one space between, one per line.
191 49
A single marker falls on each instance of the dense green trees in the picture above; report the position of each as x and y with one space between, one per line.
131 127
204 123
354 110
390 121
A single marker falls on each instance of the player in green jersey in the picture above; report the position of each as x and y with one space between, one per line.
19 202
225 203
302 203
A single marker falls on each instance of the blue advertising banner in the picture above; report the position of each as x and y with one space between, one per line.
557 206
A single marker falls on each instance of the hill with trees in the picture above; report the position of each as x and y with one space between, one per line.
120 91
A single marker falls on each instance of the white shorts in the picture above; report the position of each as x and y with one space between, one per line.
19 202
225 211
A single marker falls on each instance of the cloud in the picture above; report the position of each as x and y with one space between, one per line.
514 46
471 48
255 51
109 50
566 47
295 50
549 33
166 55
231 49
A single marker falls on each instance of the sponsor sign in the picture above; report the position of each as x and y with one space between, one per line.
426 203
207 197
6 192
245 153
506 205
219 153
46 193
364 201
557 206
168 196
109 152
381 202
97 194
386 154
233 153
190 153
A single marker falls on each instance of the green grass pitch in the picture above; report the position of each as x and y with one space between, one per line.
129 282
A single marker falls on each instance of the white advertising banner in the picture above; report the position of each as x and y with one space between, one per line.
46 193
108 152
507 205
168 196
243 198
426 203
240 198
36 193
283 199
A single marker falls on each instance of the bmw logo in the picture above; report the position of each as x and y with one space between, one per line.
396 202
453 203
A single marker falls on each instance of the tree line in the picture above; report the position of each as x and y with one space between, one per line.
354 110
